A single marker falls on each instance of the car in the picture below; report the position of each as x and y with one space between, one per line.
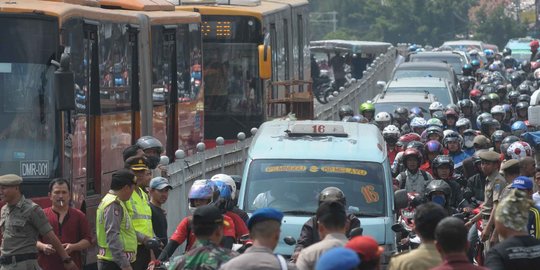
455 59
425 69
520 48
389 102
290 162
465 45
445 92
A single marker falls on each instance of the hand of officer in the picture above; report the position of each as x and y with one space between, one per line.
48 249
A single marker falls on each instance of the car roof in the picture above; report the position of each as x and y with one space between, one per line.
418 82
432 54
464 42
401 97
363 143
424 65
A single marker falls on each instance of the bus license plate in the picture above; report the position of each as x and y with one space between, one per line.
35 169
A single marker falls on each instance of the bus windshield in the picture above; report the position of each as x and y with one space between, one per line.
28 126
293 186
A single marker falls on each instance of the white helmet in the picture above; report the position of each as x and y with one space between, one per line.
383 117
498 109
391 130
227 180
519 150
436 106
418 122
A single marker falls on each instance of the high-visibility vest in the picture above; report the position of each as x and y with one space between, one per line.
128 237
140 212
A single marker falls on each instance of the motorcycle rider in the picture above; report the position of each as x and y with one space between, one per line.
413 179
454 142
153 148
391 136
439 192
345 112
443 168
367 110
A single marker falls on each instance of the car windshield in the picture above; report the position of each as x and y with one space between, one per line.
407 73
521 55
464 47
390 107
293 186
455 61
442 93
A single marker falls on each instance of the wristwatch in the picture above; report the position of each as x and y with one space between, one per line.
67 260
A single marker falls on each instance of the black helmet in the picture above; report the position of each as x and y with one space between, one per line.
522 105
440 115
331 194
442 160
507 51
465 103
416 145
488 123
513 96
345 110
438 185
524 98
498 136
506 142
525 65
401 111
452 136
515 79
524 88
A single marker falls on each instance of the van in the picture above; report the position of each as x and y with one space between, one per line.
290 162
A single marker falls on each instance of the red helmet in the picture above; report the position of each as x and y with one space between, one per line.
475 93
412 152
535 65
534 44
409 137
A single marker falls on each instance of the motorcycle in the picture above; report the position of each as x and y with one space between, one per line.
406 239
323 87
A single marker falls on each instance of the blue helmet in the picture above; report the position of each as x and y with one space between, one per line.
202 190
413 48
518 128
417 111
475 63
225 191
489 53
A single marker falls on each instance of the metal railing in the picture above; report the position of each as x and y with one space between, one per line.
358 91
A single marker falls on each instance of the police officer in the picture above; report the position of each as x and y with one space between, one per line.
264 228
141 213
117 240
21 221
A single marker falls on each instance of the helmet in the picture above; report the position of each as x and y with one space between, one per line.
507 51
518 128
498 109
417 111
475 63
440 115
513 96
413 48
438 185
519 150
525 65
535 65
331 194
366 106
201 189
468 138
356 119
407 138
494 98
227 180
489 53
391 133
465 103
434 122
481 117
434 130
418 122
224 201
506 142
494 67
484 98
467 69
451 113
433 146
416 145
524 98
524 88
534 44
475 94
436 106
536 74
498 136
383 117
442 161
149 142
412 152
501 90
487 88
345 110
452 136
453 106
463 122
488 124
522 105
401 112
515 79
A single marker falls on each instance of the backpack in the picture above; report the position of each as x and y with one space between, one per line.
403 177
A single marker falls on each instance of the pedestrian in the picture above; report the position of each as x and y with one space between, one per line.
22 221
536 195
510 169
264 229
159 193
426 256
116 237
451 242
331 219
517 250
527 166
206 254
310 233
138 207
525 184
338 258
68 223
368 250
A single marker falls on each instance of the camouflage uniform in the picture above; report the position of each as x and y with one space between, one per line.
205 255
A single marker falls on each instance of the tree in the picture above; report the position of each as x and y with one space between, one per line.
494 26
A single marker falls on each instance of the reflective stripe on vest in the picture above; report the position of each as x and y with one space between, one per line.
140 212
128 237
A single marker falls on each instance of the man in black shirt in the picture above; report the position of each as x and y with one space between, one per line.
518 250
159 193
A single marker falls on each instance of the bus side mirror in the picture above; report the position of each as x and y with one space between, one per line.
64 85
265 62
400 199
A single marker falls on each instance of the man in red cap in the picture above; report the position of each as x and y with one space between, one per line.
368 251
534 50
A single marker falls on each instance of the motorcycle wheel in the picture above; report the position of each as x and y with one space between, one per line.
320 95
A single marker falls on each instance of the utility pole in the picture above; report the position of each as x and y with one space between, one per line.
517 3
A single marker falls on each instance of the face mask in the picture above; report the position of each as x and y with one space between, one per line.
469 142
152 161
439 199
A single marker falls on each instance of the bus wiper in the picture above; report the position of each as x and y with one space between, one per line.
299 212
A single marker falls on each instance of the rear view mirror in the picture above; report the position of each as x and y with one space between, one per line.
381 84
64 85
265 62
400 199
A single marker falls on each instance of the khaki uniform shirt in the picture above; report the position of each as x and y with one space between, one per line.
495 184
424 257
256 258
21 224
309 256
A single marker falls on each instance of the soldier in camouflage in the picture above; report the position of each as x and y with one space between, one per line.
206 254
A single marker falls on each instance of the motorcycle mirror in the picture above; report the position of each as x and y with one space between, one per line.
397 227
400 199
289 240
356 232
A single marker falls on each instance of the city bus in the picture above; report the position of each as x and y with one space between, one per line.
133 73
256 55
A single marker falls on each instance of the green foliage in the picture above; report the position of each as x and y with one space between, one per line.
341 33
497 28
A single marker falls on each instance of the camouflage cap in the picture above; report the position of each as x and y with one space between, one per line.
10 180
513 211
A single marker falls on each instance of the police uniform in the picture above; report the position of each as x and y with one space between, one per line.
425 256
260 257
21 224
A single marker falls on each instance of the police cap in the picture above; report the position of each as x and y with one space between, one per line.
481 141
489 156
263 214
136 164
10 180
509 163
